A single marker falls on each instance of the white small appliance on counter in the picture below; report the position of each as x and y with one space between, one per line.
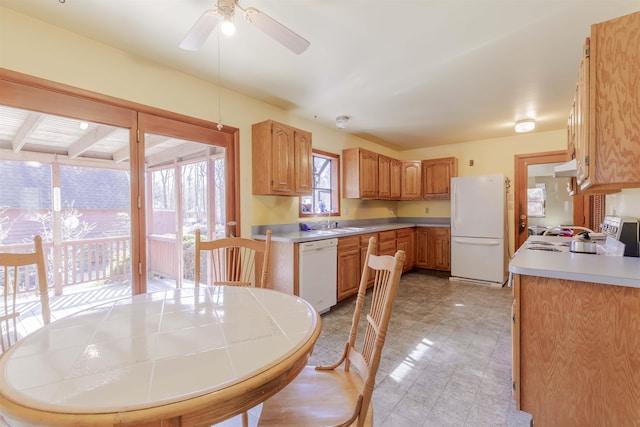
625 230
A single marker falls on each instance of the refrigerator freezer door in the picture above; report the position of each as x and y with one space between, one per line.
478 206
478 259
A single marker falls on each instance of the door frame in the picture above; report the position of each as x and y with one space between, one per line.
522 161
33 93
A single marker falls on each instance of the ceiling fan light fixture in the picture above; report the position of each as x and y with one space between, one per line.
341 122
525 125
227 27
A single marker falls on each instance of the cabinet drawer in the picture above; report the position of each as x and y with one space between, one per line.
364 240
403 233
349 243
386 235
387 248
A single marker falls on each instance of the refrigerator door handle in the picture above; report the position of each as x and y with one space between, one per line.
477 241
454 211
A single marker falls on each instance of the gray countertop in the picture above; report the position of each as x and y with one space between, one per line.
605 269
312 235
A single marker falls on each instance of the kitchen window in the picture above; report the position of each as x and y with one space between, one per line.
536 198
325 197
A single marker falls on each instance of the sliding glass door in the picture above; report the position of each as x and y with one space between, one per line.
120 191
186 189
61 181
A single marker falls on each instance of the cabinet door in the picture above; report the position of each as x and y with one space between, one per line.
515 341
422 247
348 266
440 249
410 186
436 177
368 174
395 177
303 166
364 246
403 243
582 118
282 164
610 128
384 177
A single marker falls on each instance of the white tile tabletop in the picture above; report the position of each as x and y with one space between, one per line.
154 349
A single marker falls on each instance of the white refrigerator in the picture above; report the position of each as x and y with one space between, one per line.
479 249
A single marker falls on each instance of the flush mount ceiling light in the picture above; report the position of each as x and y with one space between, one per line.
526 125
341 122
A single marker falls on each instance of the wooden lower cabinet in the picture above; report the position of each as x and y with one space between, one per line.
387 242
364 246
349 269
405 242
576 352
433 248
440 241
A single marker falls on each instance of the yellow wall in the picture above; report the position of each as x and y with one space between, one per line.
39 49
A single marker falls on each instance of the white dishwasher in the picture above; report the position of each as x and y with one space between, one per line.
319 273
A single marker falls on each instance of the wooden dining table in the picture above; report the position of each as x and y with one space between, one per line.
183 357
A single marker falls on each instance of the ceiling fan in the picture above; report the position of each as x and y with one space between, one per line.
224 12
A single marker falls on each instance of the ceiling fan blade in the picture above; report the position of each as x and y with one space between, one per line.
200 31
276 30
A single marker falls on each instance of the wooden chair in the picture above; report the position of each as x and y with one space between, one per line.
338 395
13 267
234 260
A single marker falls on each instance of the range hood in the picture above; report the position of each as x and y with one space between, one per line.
566 169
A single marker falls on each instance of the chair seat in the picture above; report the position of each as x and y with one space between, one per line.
315 398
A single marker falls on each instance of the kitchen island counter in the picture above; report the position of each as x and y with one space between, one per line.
575 336
604 269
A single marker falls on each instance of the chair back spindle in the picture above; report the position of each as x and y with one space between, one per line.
233 260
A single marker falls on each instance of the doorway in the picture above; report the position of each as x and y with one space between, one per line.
121 144
189 185
523 162
586 210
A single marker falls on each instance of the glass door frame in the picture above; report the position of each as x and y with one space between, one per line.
32 93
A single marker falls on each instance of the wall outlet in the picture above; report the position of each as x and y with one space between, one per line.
470 162
391 212
426 210
346 211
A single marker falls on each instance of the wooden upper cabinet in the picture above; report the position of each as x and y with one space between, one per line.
607 104
395 176
572 187
360 172
384 177
281 159
436 177
410 177
303 163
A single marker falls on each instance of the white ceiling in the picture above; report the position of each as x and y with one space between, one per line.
410 73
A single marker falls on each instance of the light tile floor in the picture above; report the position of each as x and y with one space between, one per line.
447 358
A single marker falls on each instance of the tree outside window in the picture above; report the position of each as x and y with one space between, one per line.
325 197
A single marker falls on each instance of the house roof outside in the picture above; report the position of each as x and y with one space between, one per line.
30 187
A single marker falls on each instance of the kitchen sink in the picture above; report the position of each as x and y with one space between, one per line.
325 231
353 228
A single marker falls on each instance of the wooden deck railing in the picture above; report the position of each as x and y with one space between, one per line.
76 262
